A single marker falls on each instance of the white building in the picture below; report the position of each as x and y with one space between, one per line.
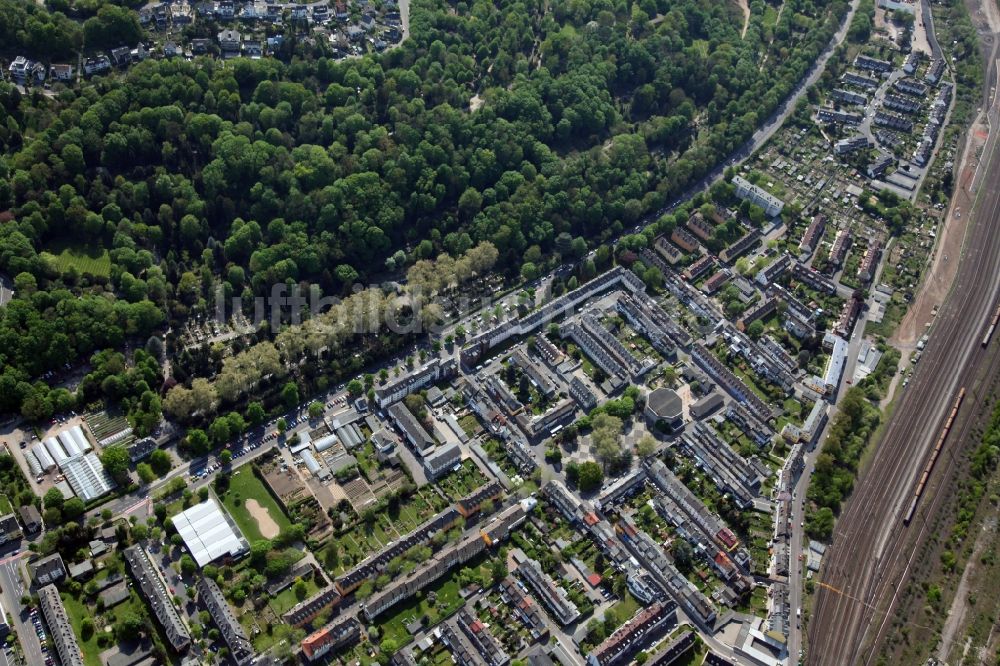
209 533
771 204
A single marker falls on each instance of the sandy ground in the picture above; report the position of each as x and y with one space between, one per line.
268 528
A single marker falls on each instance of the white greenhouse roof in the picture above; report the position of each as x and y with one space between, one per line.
209 533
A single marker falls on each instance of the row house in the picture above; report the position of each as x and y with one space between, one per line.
849 97
155 592
841 244
699 268
828 115
813 234
859 80
893 121
748 240
240 649
667 250
684 240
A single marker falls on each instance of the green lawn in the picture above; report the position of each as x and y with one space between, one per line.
287 597
244 485
5 507
623 611
77 611
448 601
85 259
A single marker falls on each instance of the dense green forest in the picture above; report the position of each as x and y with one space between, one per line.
191 175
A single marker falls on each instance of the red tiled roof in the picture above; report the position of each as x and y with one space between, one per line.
594 579
591 518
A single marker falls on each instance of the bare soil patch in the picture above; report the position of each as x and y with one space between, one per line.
268 528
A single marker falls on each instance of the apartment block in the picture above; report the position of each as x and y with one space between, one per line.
813 234
771 204
304 612
210 594
60 628
638 633
552 596
336 635
155 592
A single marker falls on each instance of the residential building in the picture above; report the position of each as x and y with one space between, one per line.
699 267
852 144
849 97
934 72
61 72
141 448
431 373
47 570
410 427
201 45
22 69
697 225
470 505
336 635
155 592
911 87
304 612
466 548
812 278
773 271
538 377
730 382
740 247
714 283
230 41
580 392
685 240
841 244
900 103
771 204
859 80
60 628
210 595
441 460
374 565
638 633
482 640
668 251
626 486
555 598
9 528
121 56
893 121
764 309
828 115
869 263
30 518
879 166
873 64
524 607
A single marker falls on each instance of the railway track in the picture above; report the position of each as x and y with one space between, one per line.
862 565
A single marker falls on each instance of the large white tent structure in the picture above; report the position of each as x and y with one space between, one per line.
209 533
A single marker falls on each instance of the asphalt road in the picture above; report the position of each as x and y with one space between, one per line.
868 561
13 588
